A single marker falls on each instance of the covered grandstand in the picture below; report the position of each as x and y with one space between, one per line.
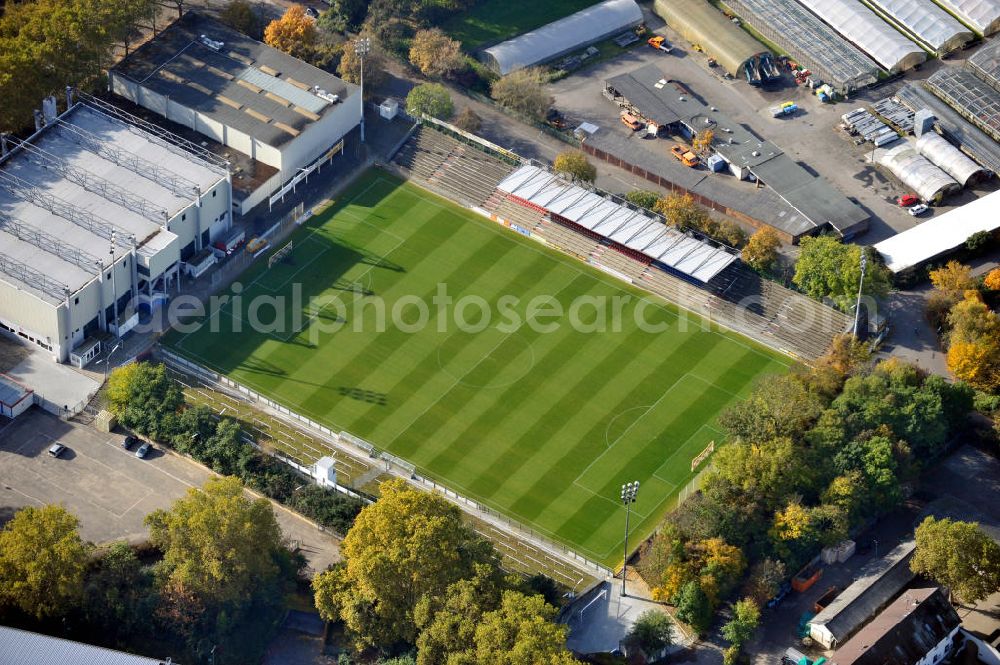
941 235
983 16
950 159
701 23
631 231
917 172
925 22
970 96
867 31
566 35
986 63
810 42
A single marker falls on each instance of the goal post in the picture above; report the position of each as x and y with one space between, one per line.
280 255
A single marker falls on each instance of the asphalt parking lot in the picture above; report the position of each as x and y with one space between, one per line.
108 488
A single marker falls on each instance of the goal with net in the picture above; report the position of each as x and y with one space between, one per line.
283 254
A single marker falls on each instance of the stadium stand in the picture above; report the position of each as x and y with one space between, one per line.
450 167
736 297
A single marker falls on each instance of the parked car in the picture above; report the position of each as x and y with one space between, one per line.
128 442
57 449
906 200
143 450
918 209
685 156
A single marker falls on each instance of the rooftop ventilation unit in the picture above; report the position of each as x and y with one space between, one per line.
211 43
323 94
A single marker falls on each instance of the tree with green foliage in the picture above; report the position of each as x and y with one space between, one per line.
349 14
779 406
643 198
521 630
217 543
522 91
827 268
652 631
42 561
116 594
144 399
694 608
240 15
959 555
430 99
575 164
740 629
765 579
407 545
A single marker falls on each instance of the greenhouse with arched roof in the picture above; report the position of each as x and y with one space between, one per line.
860 25
983 16
925 22
572 33
701 23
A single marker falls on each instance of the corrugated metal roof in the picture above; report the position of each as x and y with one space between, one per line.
631 228
19 647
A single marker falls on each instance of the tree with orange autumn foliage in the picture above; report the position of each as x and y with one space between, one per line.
294 33
974 351
992 281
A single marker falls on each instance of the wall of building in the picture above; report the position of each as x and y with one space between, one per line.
320 136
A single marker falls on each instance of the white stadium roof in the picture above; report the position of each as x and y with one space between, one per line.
940 234
932 25
868 32
982 15
634 229
564 36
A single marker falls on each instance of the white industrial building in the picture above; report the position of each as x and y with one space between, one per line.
983 16
925 22
566 35
98 215
243 94
860 25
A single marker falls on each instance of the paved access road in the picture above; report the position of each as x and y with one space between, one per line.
108 488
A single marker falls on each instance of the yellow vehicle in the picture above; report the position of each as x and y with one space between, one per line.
631 121
685 156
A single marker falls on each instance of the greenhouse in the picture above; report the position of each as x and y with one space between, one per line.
986 64
867 31
971 97
982 15
925 22
950 159
702 24
917 172
810 42
573 33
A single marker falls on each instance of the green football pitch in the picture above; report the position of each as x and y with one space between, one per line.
539 416
491 21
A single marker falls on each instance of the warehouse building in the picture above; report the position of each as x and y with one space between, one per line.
925 23
810 42
702 24
983 16
974 99
917 172
950 159
241 93
860 25
933 240
98 217
816 205
572 33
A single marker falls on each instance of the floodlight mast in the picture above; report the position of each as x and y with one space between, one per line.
629 491
362 47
